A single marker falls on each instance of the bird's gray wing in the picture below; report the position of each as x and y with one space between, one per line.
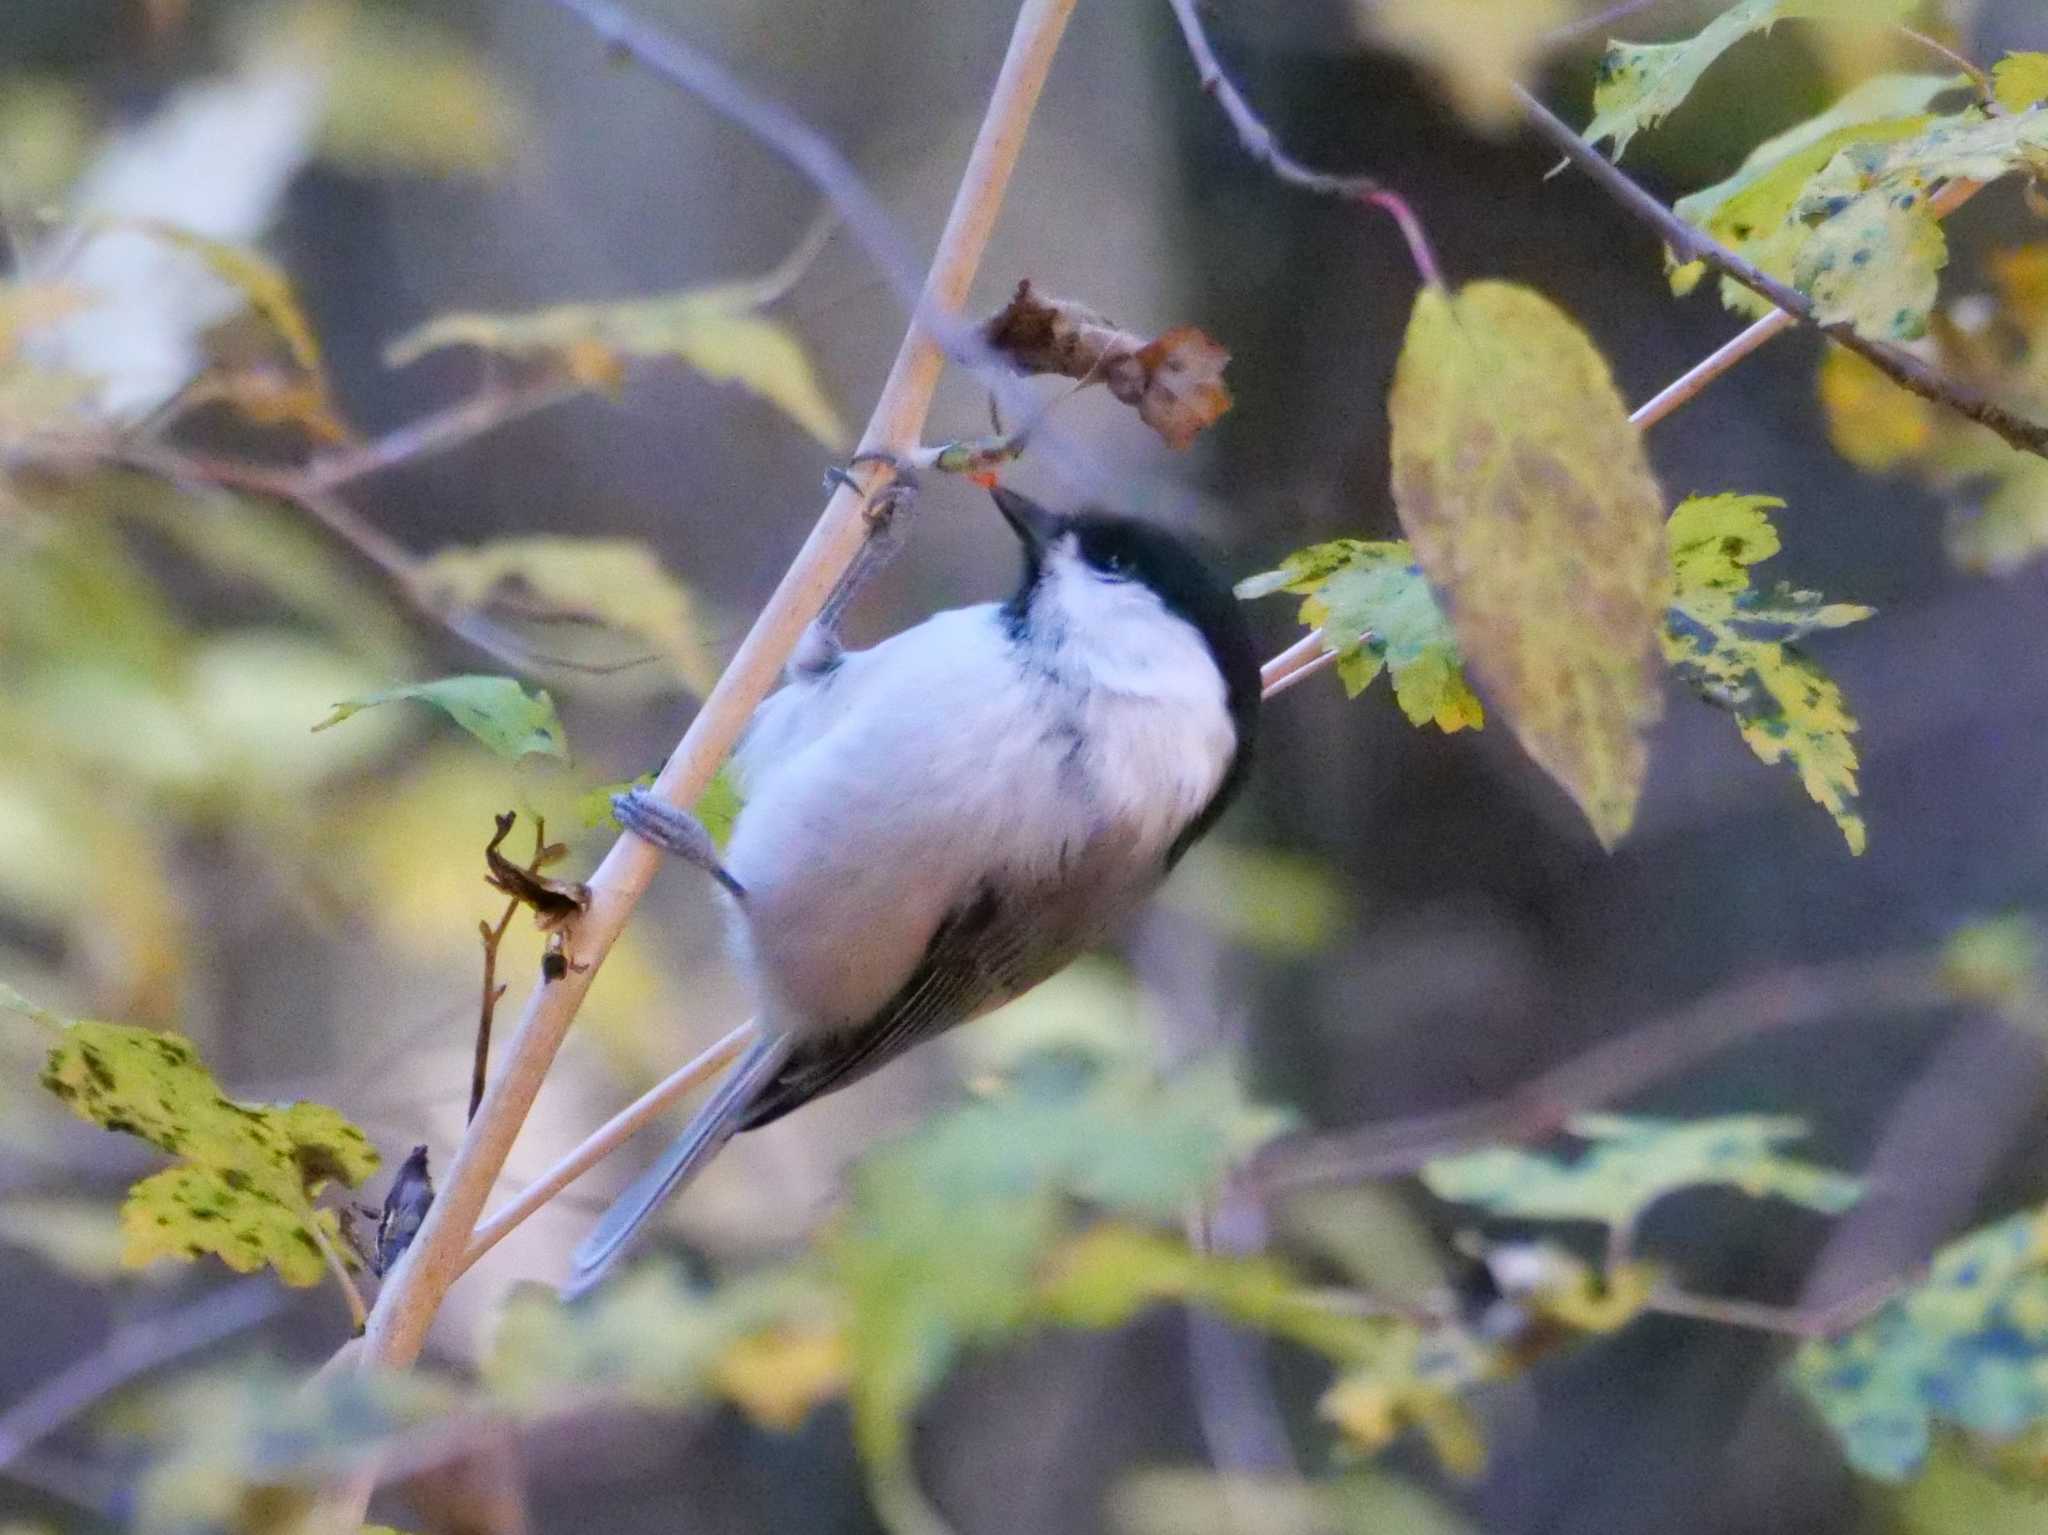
984 952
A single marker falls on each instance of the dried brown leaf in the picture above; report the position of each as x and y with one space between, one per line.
1174 382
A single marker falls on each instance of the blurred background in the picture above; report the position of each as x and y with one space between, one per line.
177 849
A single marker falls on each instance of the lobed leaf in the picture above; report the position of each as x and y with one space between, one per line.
1756 212
248 1173
1531 508
1735 647
1377 612
1634 1162
1965 1347
1639 84
496 710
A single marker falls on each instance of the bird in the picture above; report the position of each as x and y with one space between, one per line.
934 825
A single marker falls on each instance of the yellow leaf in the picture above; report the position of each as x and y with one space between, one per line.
617 582
248 1174
1753 212
1872 422
301 394
717 330
1876 264
1735 646
1477 49
777 1377
1530 505
2021 80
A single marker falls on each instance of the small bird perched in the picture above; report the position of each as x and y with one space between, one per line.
937 824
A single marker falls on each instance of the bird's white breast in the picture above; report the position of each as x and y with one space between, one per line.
884 795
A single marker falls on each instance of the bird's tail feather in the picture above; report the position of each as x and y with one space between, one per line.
714 1125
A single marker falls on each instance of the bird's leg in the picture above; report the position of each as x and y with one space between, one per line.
674 831
886 510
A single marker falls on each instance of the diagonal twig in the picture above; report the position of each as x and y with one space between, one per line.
1628 1063
1690 244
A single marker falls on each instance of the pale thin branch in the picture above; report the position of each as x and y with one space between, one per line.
1821 1321
1688 243
604 1140
1260 142
131 1352
1644 1056
1322 660
412 1294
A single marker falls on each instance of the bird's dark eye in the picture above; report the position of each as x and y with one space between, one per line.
1109 563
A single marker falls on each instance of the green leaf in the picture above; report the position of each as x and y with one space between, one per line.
496 710
1634 1162
716 330
1736 648
945 1231
716 808
2020 80
1995 962
654 1340
1754 212
617 583
248 1173
1532 511
1275 902
1965 1347
1377 612
252 1452
1640 83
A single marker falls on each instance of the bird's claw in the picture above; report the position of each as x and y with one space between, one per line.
655 821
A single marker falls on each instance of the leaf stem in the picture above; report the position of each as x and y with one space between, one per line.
1260 142
412 1295
1690 244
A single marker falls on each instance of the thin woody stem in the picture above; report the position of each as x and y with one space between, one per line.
1690 244
1683 389
1260 142
412 1295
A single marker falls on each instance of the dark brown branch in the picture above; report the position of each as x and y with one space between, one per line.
1260 143
1638 1059
1688 244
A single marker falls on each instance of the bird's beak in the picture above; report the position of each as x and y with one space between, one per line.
1032 522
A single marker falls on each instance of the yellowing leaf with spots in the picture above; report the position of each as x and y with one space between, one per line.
1638 84
717 330
1530 505
1378 613
1735 647
248 1174
563 582
1754 211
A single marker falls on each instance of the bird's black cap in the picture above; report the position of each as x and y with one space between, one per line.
1173 569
